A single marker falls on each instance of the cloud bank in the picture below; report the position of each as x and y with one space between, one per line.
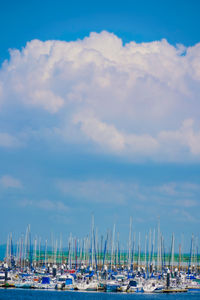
177 198
140 101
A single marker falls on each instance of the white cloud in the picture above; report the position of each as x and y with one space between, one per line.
1 92
186 203
47 99
103 134
137 100
8 141
134 194
178 188
8 181
185 216
56 206
107 136
185 136
99 191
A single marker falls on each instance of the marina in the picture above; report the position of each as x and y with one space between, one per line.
101 265
100 150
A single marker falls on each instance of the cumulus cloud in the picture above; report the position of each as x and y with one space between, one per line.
107 136
137 99
185 136
8 181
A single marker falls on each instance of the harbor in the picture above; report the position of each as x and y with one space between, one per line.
100 150
101 264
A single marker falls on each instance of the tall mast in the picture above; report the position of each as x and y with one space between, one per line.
139 252
35 252
145 252
159 246
149 251
45 256
112 248
129 243
133 252
92 240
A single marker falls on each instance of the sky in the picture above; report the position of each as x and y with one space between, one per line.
99 115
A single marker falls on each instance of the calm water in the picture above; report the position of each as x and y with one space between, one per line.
48 295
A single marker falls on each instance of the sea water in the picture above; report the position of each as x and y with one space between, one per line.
17 294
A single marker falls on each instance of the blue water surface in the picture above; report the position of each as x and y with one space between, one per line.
17 294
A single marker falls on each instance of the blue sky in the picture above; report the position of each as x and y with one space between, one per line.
99 114
141 21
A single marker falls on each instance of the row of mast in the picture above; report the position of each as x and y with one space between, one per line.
100 252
